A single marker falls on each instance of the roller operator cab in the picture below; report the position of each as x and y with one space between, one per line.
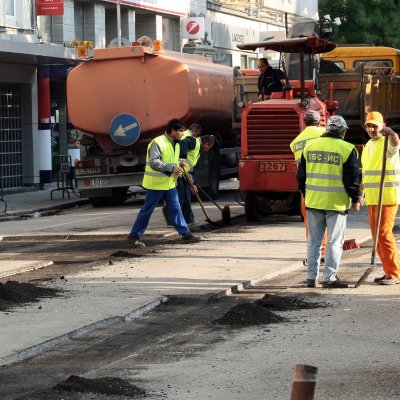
267 170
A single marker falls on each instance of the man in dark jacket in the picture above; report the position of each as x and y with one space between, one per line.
270 79
328 178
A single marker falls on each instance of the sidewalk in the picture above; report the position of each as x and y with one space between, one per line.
30 200
110 293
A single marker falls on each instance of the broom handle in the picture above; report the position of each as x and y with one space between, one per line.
381 186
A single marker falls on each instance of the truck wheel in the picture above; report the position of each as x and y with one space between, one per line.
99 201
213 173
117 198
251 208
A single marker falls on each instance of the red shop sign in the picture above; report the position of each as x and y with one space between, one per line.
50 7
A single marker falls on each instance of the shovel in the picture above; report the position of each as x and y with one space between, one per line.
226 211
190 182
378 218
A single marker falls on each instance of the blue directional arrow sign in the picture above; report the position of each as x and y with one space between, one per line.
124 129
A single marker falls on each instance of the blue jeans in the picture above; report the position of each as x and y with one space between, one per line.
335 223
185 199
153 197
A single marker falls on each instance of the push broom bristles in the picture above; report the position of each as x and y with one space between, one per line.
350 244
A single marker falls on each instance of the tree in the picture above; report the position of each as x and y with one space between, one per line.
373 22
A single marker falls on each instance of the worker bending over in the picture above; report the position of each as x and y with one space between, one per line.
191 148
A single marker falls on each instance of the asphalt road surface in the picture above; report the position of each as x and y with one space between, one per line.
178 350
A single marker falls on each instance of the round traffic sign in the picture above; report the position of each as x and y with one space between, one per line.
124 129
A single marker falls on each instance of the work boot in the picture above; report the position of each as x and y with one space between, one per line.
135 241
381 278
389 281
311 283
190 238
337 284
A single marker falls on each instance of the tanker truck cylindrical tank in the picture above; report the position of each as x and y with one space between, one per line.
152 88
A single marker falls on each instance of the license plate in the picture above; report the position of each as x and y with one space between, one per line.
272 166
96 182
87 171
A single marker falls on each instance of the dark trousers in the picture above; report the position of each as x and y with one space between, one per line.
185 199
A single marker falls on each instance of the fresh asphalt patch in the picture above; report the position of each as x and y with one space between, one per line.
247 313
14 294
287 303
108 386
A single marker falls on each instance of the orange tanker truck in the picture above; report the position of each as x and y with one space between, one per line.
123 97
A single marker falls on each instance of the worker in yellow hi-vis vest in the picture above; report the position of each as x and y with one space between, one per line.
160 176
312 130
328 176
371 161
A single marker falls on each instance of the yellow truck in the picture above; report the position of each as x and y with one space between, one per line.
349 57
351 93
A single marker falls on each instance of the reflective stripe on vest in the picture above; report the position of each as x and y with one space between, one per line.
157 180
372 166
324 168
299 143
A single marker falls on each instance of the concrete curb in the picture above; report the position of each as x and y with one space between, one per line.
40 212
252 282
80 332
31 267
79 236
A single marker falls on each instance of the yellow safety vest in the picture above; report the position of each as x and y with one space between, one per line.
157 180
298 144
192 155
324 168
371 169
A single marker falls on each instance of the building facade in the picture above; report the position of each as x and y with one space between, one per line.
37 51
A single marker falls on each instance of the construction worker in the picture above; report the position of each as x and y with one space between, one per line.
328 177
311 131
161 172
191 147
270 79
195 130
184 190
371 161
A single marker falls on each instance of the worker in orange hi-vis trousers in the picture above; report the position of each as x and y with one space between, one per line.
311 131
371 160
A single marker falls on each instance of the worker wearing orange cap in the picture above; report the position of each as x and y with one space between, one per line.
371 160
311 131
